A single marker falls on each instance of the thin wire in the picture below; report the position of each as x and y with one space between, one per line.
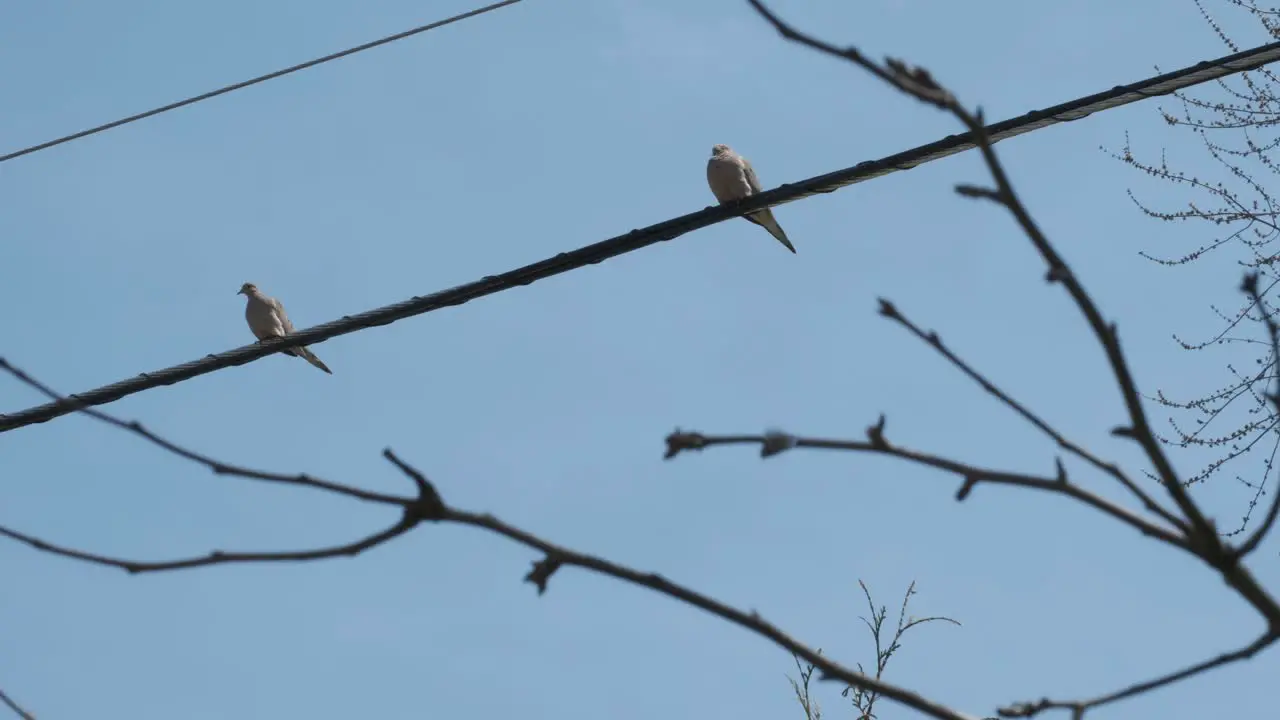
666 230
15 707
255 81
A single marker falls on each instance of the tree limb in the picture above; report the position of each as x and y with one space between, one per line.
918 83
1079 707
428 506
218 467
556 557
890 311
1250 288
972 475
216 557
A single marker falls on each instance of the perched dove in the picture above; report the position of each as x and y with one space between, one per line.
731 178
267 320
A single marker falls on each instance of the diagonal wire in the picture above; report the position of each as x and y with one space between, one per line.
260 79
666 230
15 707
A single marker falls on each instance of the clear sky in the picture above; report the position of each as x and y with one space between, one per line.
506 139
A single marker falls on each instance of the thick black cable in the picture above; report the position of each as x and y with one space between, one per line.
261 78
666 230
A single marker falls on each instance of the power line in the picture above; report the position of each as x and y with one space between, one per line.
666 230
260 79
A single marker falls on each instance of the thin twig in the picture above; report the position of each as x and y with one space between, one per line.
218 467
864 700
972 475
890 311
429 507
216 557
1250 288
812 709
1079 707
1201 537
1204 538
219 557
918 83
556 557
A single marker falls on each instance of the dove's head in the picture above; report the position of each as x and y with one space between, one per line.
720 150
247 289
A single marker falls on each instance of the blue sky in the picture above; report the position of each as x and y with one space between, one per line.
505 139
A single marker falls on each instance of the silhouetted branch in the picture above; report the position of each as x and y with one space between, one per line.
216 557
1194 534
890 311
971 475
1191 531
865 700
556 557
918 83
218 467
429 507
801 688
1250 288
1236 127
1079 707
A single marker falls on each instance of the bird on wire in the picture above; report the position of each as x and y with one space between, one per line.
731 177
267 320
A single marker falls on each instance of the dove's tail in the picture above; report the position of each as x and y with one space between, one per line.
310 357
764 219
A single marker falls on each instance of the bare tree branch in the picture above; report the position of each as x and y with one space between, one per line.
801 688
555 557
773 443
918 83
865 700
429 507
1250 287
218 467
1195 533
1079 707
1189 531
216 557
890 311
1237 129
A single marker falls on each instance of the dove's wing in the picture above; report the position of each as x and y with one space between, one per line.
262 318
285 323
750 174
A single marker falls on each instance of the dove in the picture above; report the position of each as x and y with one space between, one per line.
731 178
267 320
